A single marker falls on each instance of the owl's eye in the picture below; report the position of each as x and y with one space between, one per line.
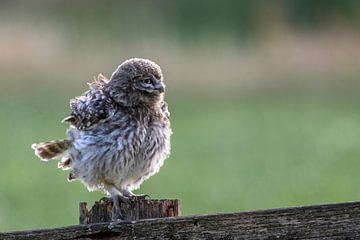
146 81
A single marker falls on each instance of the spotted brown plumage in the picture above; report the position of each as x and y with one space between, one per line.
91 107
119 132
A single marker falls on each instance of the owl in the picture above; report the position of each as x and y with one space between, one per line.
119 133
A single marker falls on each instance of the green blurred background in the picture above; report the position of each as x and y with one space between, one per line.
264 97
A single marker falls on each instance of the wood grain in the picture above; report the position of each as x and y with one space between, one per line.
140 209
330 221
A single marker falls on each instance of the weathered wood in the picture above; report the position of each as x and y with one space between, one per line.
331 221
139 209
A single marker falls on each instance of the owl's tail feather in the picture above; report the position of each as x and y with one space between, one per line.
52 149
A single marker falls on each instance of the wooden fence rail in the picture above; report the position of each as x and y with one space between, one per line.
330 221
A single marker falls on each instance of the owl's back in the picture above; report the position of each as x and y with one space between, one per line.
92 106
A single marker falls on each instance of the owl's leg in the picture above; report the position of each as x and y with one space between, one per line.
117 198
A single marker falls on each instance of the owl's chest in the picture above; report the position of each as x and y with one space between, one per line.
144 141
122 142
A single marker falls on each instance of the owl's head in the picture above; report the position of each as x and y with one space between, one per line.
137 81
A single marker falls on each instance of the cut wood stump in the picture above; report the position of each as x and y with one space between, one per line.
140 209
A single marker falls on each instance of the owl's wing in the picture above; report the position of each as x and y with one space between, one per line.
91 107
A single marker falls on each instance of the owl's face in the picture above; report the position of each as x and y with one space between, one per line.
148 89
148 85
137 81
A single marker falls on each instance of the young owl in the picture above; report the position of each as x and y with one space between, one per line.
119 132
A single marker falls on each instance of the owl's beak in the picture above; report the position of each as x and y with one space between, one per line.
160 86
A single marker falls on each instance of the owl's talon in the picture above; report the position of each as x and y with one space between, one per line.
125 199
136 198
141 197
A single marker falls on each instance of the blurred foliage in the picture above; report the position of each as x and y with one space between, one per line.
315 14
186 19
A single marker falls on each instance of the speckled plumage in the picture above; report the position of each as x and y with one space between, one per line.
119 131
91 107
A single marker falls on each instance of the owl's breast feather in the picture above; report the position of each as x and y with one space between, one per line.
124 154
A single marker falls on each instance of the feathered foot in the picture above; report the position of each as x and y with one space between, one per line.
117 199
121 197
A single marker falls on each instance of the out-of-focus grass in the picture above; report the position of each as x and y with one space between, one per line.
229 154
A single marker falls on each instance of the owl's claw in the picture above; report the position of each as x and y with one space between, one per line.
125 199
141 197
132 199
135 197
116 209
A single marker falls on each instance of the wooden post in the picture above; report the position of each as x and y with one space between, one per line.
139 209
